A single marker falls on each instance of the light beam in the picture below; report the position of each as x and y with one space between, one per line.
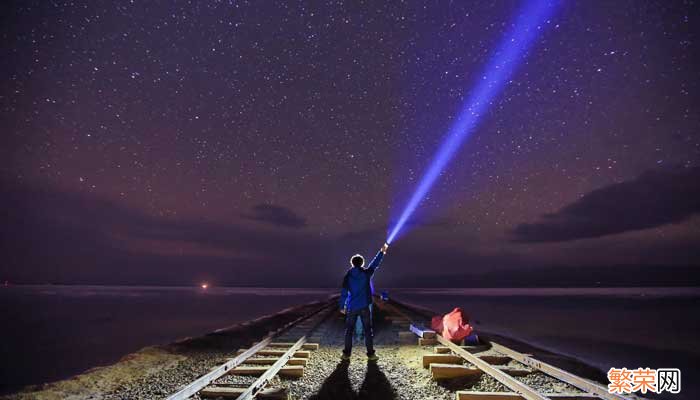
499 69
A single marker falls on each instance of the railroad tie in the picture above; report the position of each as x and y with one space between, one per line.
289 371
451 371
441 359
452 367
285 359
216 391
471 349
278 353
305 346
272 360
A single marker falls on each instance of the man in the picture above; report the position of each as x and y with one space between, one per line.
356 298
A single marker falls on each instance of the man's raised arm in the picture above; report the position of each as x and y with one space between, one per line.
377 260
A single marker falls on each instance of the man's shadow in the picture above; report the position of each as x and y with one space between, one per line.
376 385
337 386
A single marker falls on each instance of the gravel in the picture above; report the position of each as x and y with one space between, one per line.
202 355
398 374
546 384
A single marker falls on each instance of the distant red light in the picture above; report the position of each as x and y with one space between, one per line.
204 285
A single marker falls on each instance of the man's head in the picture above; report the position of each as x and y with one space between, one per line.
357 261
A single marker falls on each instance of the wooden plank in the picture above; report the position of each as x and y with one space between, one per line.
577 381
234 392
469 395
450 371
292 371
206 379
441 350
423 332
495 360
426 342
306 346
471 349
572 396
440 359
265 378
526 391
272 360
277 353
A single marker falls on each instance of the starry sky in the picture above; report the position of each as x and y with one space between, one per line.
264 143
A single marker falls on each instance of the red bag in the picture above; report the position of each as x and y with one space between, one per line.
455 325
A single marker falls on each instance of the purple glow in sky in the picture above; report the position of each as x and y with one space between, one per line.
529 23
265 143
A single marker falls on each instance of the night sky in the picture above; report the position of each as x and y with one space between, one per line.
264 143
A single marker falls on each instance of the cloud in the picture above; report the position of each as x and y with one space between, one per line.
51 235
277 216
653 199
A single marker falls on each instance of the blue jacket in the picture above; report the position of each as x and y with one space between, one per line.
356 293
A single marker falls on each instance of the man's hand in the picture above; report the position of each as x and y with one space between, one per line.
343 310
385 247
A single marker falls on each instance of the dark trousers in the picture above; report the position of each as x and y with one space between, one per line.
365 315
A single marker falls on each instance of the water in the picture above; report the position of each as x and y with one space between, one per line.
604 327
52 332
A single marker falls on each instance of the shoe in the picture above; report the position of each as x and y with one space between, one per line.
345 357
372 357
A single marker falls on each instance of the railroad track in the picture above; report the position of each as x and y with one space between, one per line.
288 351
500 362
285 351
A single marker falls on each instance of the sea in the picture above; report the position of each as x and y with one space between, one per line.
51 332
